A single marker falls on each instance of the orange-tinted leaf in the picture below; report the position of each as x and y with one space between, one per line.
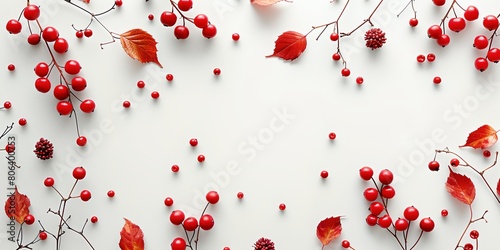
483 137
328 230
498 187
132 237
265 2
461 187
17 206
140 45
289 45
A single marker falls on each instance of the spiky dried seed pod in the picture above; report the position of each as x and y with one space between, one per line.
44 149
375 38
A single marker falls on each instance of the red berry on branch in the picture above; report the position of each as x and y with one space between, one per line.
44 149
439 2
85 195
443 40
206 222
190 224
88 32
29 219
384 221
61 92
334 37
376 208
79 173
336 56
370 194
42 235
185 5
177 217
34 39
494 55
481 42
345 72
200 21
64 107
490 22
181 32
413 22
42 69
87 106
212 197
411 213
481 64
78 83
168 18
375 38
471 13
50 34
178 244
48 182
81 141
434 31
385 177
388 192
209 31
401 224
456 24
72 67
371 220
454 162
7 105
433 166
346 244
427 224
474 234
13 26
468 246
366 173
61 46
119 3
42 84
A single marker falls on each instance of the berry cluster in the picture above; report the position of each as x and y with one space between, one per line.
379 196
263 244
191 224
181 31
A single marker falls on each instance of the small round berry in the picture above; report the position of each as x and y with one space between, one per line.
79 34
42 235
324 174
61 92
481 42
334 37
10 148
388 192
42 84
88 32
217 71
443 40
81 141
481 64
141 84
61 46
48 182
206 222
346 244
345 72
433 166
411 213
494 55
11 67
79 173
366 173
178 244
190 224
155 95
336 56
85 195
50 34
185 5
486 153
490 22
332 136
384 221
456 24
111 193
371 220
413 22
94 219
29 219
193 142
42 69
359 80
7 105
168 18
420 58
226 248
119 3
385 177
282 206
376 208
13 26
240 195
209 31
471 13
181 32
235 36
168 201
169 77
78 83
439 2
177 217
468 246
200 21
151 17
401 224
474 234
126 104
431 57
436 80
201 158
22 121
454 162
434 31
64 107
72 67
427 224
444 212
370 194
34 39
212 197
87 106
175 168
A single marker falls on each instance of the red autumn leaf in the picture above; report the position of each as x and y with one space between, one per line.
483 137
328 230
140 45
17 206
461 187
498 187
289 45
264 2
132 237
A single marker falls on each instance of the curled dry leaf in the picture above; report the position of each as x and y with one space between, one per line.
461 187
264 2
131 237
140 45
17 206
328 230
289 45
483 137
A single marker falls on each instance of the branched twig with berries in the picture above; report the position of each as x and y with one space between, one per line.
474 234
7 130
20 238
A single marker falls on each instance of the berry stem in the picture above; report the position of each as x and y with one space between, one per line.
410 3
468 225
198 230
418 239
492 37
368 20
7 130
20 237
94 16
446 15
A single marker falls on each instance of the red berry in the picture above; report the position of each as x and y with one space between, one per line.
118 3
209 31
212 197
126 104
434 31
79 34
494 55
413 22
345 72
185 5
384 221
61 92
411 213
366 173
346 244
456 24
169 77
72 67
443 40
486 153
10 148
201 158
481 64
433 166
385 177
468 246
427 224
175 168
388 192
359 80
64 107
401 224
420 58
61 45
7 105
200 21
226 248
431 57
85 195
181 32
474 234
50 34
87 106
324 174
376 208
454 162
79 173
371 220
48 182
336 56
177 217
94 219
370 194
111 193
11 67
439 2
178 244
78 83
34 39
22 121
42 69
81 141
332 136
240 195
471 13
206 222
334 37
168 18
193 142
490 22
217 71
282 206
42 235
436 80
13 26
190 224
151 17
481 42
155 95
42 84
168 201
141 84
88 32
444 212
29 219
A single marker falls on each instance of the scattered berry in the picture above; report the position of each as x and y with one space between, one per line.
444 212
420 58
151 17
431 57
282 206
126 104
111 193
216 71
240 195
118 3
7 105
22 121
141 84
359 80
155 95
169 77
11 67
94 219
201 158
324 174
235 36
175 168
332 136
486 153
193 142
437 80
168 201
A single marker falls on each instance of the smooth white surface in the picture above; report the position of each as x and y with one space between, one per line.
388 122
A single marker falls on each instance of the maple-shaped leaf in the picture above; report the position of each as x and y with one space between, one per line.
483 137
461 187
131 237
264 2
328 230
289 45
17 206
498 187
140 45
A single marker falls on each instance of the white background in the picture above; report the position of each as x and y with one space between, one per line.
387 122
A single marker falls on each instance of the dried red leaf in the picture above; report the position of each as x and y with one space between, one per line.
289 45
17 206
498 187
132 237
461 187
140 45
328 230
483 137
264 2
